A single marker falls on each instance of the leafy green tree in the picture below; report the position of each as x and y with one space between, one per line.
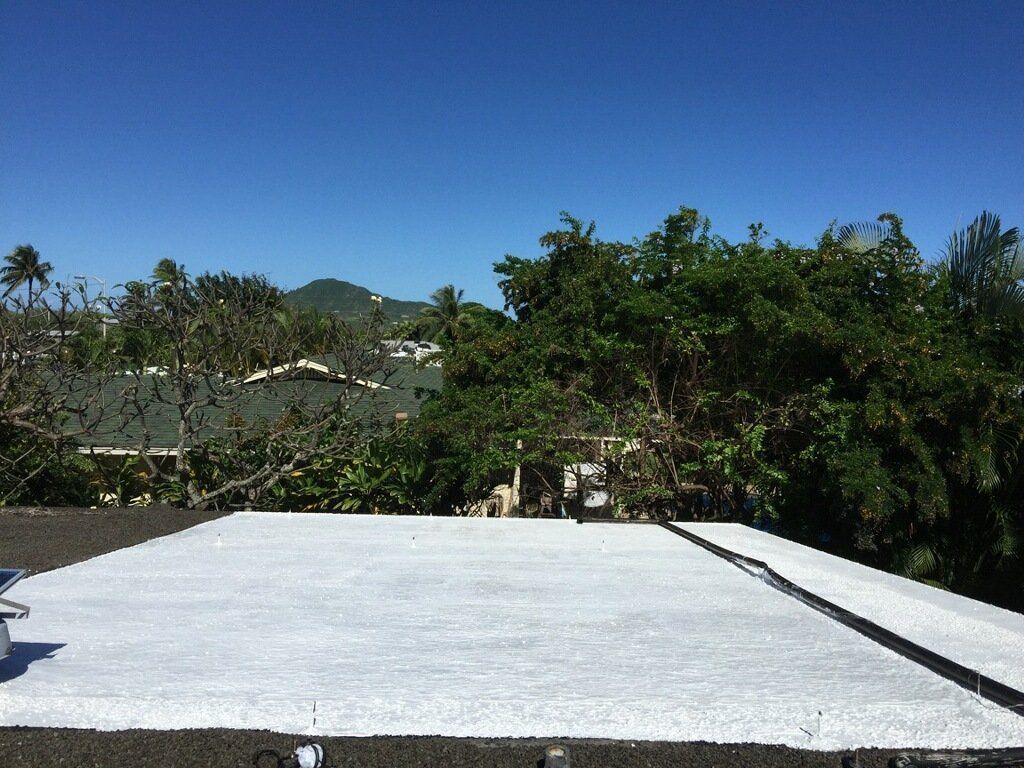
513 389
224 286
46 383
35 471
385 475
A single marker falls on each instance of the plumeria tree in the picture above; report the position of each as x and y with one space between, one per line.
49 395
228 384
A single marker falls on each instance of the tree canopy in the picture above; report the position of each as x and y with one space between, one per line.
846 394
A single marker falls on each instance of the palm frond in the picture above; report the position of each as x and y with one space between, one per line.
1011 254
1007 541
919 561
1006 545
987 470
993 457
863 236
985 267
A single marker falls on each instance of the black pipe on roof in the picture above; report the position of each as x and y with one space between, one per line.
971 679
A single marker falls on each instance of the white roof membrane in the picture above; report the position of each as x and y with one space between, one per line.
462 627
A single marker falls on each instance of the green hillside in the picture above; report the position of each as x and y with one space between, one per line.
349 300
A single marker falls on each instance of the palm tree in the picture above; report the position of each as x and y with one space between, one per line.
169 272
985 268
24 266
449 316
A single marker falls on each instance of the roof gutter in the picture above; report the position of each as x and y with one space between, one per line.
109 451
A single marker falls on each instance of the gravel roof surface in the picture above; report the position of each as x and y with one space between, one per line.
217 748
40 539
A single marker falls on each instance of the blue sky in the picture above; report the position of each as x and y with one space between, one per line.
405 145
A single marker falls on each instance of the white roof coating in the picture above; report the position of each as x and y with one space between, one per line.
461 627
982 637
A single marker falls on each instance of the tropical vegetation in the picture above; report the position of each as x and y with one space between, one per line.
851 394
848 395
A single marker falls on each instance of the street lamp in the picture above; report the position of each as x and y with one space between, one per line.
103 290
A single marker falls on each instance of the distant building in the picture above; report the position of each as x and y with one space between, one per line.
421 351
395 394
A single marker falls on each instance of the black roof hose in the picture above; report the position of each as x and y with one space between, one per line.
971 679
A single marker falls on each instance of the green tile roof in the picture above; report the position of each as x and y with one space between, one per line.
405 388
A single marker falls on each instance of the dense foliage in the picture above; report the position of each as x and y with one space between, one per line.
846 395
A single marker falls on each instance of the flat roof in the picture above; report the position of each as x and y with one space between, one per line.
467 627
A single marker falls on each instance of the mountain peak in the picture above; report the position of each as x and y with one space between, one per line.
349 300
